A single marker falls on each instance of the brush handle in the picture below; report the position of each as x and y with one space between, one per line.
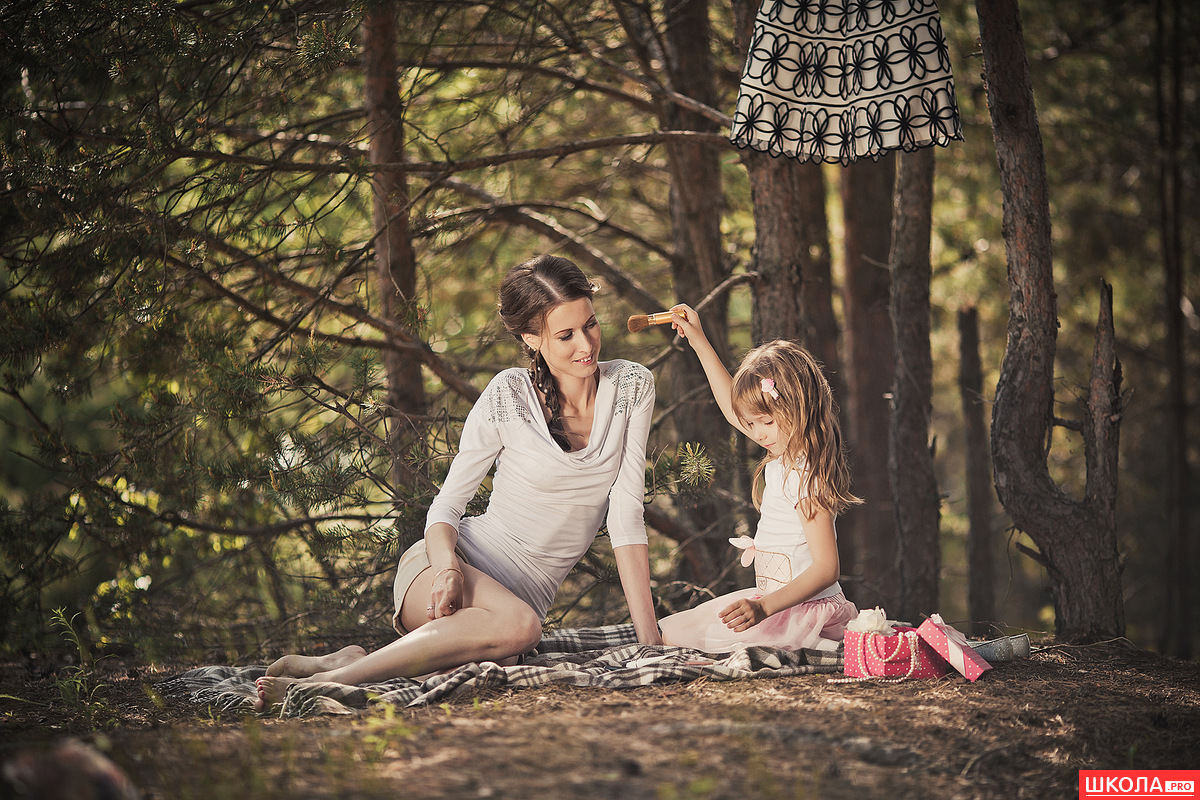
664 317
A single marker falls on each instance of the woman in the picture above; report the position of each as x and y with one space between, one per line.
568 438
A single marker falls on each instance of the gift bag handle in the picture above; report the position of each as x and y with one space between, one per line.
905 636
910 636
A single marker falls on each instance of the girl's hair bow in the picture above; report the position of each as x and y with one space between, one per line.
768 388
746 545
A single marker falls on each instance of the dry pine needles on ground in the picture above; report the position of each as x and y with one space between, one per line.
1023 730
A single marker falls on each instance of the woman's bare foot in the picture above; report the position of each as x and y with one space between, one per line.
297 666
271 691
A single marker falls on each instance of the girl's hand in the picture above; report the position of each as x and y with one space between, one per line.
686 322
744 614
718 376
446 592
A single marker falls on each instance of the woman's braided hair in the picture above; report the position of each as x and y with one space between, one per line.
527 294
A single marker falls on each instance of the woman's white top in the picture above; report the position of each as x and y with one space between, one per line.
781 551
547 505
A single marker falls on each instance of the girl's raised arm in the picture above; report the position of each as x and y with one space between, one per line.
687 325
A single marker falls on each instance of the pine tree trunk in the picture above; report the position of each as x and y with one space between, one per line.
910 461
698 265
981 567
1076 539
870 361
779 248
822 330
1176 638
395 261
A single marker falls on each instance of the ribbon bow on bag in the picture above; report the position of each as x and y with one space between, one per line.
746 545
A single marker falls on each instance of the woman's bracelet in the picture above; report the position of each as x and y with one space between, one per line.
451 569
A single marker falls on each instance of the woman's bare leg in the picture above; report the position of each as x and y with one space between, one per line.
297 666
493 624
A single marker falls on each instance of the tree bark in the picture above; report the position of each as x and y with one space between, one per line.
1077 539
910 459
395 261
698 263
822 329
981 567
779 249
870 545
1176 638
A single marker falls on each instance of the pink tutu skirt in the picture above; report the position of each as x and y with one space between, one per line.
812 624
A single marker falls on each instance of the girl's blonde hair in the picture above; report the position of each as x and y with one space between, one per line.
806 415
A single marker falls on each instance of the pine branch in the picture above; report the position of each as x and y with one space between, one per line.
665 93
290 137
439 168
598 223
396 337
262 314
344 412
568 79
1034 554
624 284
273 530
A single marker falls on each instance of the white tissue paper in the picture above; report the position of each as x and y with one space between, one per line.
871 620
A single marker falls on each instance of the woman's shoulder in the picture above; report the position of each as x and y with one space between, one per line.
507 396
631 380
621 369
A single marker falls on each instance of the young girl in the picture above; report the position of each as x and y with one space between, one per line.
780 399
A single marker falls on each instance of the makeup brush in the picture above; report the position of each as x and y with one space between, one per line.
639 322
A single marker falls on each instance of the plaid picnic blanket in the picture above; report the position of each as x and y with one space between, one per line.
608 657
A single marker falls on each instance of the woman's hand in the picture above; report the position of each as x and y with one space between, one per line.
744 614
633 565
446 593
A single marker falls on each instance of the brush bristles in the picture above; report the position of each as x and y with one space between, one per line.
638 323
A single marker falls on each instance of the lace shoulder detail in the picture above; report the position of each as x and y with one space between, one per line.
633 382
506 397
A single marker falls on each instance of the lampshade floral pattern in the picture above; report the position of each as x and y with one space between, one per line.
840 80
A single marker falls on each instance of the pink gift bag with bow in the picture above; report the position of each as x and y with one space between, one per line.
898 655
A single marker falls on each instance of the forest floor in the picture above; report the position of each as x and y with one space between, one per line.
1025 729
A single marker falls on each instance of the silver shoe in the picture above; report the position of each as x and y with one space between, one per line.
1006 648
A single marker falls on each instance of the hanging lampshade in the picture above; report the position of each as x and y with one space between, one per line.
840 81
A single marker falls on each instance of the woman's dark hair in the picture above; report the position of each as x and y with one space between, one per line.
527 294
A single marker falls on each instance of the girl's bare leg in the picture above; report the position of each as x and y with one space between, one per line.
493 624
